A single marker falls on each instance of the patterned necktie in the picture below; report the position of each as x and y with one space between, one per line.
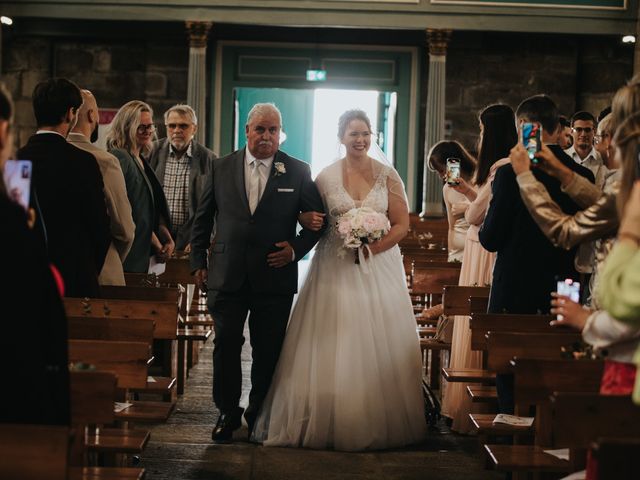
254 185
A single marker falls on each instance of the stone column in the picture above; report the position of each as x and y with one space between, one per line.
196 83
636 51
437 41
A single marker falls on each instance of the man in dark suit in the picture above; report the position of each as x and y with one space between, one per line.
182 166
252 197
68 189
527 264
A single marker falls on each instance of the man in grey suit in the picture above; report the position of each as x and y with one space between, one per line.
252 197
115 191
182 166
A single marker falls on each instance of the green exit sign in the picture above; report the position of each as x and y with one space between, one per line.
316 75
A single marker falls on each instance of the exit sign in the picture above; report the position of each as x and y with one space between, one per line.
316 75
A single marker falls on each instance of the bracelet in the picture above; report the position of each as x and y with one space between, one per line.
629 236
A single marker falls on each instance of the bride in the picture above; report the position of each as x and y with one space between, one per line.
349 375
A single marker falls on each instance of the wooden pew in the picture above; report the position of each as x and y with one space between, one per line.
455 301
535 381
429 278
617 458
33 452
92 403
577 420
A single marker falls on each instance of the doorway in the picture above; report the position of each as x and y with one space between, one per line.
310 119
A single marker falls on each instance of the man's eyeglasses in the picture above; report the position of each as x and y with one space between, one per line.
146 128
175 126
580 130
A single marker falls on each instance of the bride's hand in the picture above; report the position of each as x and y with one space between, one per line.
311 220
375 248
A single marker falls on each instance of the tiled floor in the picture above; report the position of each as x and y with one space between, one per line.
181 449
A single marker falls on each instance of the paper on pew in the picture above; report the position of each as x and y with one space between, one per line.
120 406
150 379
156 267
581 475
561 453
513 420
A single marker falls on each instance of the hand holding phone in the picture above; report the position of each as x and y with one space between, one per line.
17 179
570 289
453 171
531 138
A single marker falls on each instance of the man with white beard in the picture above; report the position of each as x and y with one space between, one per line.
181 165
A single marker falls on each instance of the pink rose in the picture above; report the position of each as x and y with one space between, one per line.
344 226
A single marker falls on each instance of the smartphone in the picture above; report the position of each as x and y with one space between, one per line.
531 138
453 171
570 289
17 180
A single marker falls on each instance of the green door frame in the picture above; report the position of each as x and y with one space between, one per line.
284 65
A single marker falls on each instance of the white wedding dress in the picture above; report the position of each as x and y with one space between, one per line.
349 375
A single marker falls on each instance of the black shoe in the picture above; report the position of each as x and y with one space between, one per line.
227 423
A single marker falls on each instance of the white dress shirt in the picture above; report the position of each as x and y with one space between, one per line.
593 161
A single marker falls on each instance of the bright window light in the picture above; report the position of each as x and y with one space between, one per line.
6 20
328 105
629 39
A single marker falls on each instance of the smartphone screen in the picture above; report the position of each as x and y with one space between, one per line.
453 171
531 137
570 289
17 179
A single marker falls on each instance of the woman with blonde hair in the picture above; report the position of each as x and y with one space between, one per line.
130 139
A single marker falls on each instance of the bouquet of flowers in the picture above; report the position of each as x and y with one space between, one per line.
361 226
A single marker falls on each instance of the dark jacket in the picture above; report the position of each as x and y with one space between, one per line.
30 297
69 189
148 208
201 162
527 265
242 240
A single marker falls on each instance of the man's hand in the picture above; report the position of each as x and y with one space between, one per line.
201 279
571 313
311 220
282 257
519 159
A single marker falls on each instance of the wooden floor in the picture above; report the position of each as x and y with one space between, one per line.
182 449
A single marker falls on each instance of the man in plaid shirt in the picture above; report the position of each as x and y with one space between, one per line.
181 165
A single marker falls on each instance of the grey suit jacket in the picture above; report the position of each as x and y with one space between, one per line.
201 161
242 240
118 207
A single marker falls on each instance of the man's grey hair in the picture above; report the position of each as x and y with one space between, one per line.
260 109
182 109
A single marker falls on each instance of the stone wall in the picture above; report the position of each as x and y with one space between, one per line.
115 72
579 72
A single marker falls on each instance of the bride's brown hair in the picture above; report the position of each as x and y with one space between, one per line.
348 116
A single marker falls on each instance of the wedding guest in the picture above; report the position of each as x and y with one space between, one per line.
130 140
455 202
122 227
181 165
40 375
602 140
565 140
67 183
527 264
497 136
583 129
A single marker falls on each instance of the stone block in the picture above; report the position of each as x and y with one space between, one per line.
72 60
168 57
13 82
24 112
156 84
128 58
39 54
102 60
29 81
177 85
14 57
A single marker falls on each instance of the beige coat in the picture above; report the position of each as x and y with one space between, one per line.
115 192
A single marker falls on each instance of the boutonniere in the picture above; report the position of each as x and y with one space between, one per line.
279 169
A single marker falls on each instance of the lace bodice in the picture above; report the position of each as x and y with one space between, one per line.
337 200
